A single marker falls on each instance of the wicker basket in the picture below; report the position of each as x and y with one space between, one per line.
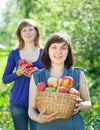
54 101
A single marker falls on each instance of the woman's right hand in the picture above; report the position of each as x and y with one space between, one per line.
43 118
21 70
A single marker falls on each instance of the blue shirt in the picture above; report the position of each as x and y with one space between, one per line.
20 90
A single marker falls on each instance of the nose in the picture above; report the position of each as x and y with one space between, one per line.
58 50
27 32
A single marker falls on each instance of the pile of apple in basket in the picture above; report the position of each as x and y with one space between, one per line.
57 95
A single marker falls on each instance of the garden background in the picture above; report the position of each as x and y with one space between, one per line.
80 19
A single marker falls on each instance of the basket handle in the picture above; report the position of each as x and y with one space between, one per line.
59 84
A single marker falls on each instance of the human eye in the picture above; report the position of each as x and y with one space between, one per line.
31 29
53 47
23 30
64 48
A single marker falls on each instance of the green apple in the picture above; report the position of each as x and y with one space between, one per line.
50 89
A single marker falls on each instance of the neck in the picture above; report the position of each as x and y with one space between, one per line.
29 46
57 66
57 71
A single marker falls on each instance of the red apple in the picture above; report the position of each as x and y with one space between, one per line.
67 82
63 90
21 62
29 64
74 92
30 69
52 82
41 86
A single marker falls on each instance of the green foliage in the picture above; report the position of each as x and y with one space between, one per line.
5 117
80 19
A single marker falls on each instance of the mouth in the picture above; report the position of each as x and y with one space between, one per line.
28 36
58 57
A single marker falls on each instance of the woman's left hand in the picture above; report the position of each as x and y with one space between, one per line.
28 74
78 105
43 118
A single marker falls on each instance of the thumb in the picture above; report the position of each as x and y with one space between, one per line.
42 111
79 99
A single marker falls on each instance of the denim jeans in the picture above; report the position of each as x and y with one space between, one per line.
21 119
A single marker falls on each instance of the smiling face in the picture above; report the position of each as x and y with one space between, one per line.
57 50
58 53
28 33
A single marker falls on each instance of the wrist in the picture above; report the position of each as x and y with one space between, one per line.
85 105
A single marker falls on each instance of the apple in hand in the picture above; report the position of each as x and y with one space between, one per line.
63 90
52 82
41 86
31 69
74 92
67 82
50 89
27 63
21 62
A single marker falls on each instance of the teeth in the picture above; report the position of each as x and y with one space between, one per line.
58 57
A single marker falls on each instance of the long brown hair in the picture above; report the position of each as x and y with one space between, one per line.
57 38
21 25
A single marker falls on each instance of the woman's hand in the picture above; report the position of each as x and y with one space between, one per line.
78 105
43 118
28 74
29 71
21 70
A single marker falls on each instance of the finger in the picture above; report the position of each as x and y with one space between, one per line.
76 111
52 114
27 75
77 105
42 111
79 99
23 66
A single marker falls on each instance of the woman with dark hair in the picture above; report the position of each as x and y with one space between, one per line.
28 49
57 59
56 38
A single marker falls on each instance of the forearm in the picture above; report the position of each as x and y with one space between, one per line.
85 105
7 78
33 114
